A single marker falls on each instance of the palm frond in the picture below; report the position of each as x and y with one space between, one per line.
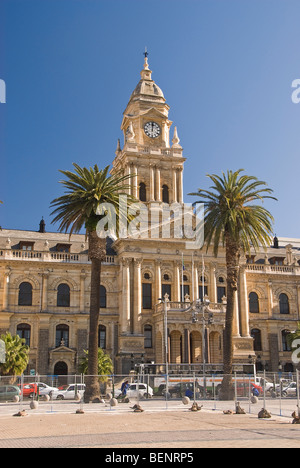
229 209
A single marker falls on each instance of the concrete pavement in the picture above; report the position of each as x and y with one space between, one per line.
176 428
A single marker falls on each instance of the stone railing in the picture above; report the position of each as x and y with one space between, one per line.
271 269
56 257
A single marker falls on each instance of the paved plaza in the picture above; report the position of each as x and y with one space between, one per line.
58 426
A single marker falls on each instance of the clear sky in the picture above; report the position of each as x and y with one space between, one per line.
226 68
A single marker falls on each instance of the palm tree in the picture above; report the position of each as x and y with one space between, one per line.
232 221
86 191
16 356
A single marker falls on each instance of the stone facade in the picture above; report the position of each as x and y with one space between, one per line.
45 277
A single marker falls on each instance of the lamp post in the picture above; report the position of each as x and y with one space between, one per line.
202 306
165 301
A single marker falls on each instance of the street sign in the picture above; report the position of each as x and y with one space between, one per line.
2 352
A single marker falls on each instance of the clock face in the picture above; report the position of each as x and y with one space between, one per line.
152 129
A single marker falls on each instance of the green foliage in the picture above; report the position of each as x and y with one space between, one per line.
17 355
86 190
229 211
105 365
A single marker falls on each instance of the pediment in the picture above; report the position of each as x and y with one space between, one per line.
63 349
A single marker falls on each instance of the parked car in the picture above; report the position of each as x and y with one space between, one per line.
28 389
243 389
69 393
8 392
290 391
45 389
181 389
143 389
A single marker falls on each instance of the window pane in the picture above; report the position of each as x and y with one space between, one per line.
253 303
186 291
102 297
221 292
62 336
147 296
25 294
148 336
166 289
102 337
63 295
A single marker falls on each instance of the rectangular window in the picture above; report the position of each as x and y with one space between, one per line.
147 296
186 291
221 292
166 289
201 292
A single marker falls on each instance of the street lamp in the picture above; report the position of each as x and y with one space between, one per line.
165 301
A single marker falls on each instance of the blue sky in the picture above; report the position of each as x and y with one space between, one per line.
226 68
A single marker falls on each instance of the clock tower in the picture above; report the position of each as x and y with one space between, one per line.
155 164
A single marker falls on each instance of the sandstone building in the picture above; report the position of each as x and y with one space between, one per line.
45 277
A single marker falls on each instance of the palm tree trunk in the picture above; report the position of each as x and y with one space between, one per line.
97 253
232 265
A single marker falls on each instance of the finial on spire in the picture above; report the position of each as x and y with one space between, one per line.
146 54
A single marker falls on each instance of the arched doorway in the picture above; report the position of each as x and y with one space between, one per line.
61 368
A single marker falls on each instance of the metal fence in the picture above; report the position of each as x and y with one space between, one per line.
278 392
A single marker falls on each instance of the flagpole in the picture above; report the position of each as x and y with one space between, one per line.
193 298
182 285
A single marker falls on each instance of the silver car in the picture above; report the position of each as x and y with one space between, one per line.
69 393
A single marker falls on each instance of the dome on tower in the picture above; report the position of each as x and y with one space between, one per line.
146 87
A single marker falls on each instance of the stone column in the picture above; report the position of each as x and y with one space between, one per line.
158 187
213 283
195 295
177 281
44 304
158 291
174 186
244 302
137 295
6 280
82 290
270 299
125 292
152 183
180 185
135 182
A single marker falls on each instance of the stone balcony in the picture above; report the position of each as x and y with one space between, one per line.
47 256
273 269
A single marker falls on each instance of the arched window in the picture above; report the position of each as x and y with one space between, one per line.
256 335
143 192
284 305
148 336
102 297
165 194
253 303
63 295
102 337
285 342
25 294
24 332
62 336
